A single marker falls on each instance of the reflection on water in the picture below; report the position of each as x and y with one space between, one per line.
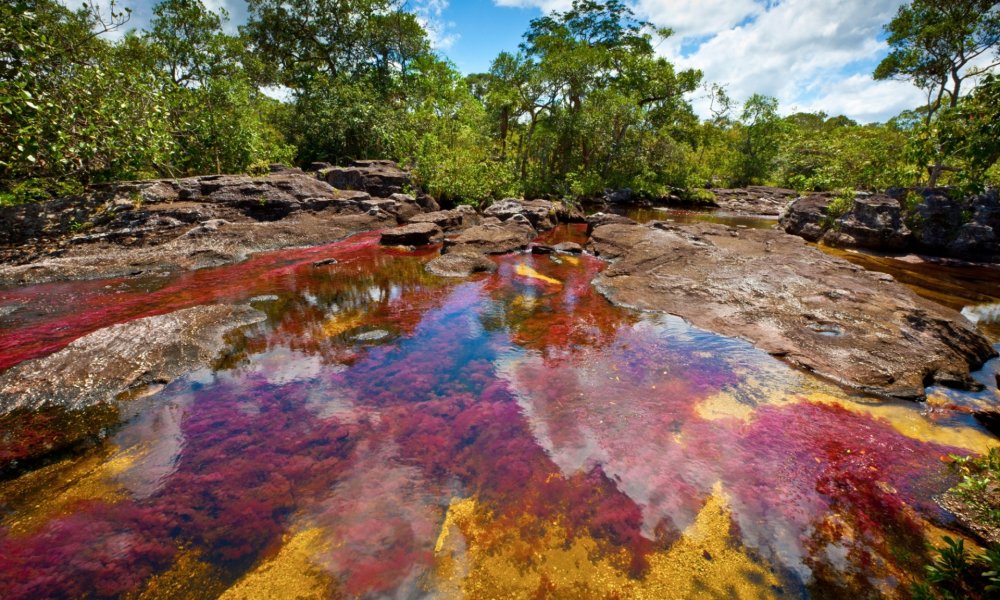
509 435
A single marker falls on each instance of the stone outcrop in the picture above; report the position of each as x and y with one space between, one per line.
754 200
161 225
937 225
541 214
414 234
818 312
458 218
491 238
123 359
460 264
597 219
381 178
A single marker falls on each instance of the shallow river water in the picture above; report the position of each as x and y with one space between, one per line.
388 433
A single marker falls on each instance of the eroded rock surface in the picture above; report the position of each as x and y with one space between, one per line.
754 200
937 225
123 359
381 178
492 238
460 264
414 234
460 217
162 225
819 312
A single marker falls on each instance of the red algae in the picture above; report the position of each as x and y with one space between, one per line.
532 395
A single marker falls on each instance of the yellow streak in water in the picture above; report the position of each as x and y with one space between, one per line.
478 556
525 271
291 573
63 484
572 260
188 577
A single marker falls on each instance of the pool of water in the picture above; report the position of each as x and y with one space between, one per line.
388 433
682 216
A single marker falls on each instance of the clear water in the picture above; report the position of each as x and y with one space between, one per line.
388 433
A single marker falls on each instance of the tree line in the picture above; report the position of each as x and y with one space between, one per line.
584 104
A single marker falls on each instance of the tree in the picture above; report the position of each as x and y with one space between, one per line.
759 132
940 45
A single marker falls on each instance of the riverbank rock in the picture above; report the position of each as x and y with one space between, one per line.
123 359
460 264
937 225
381 178
754 200
460 217
162 225
601 218
818 312
491 238
414 234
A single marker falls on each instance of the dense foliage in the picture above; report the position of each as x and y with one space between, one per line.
585 104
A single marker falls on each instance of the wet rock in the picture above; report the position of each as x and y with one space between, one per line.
491 239
816 311
414 234
374 335
460 264
460 217
381 178
597 219
325 262
568 248
111 362
542 249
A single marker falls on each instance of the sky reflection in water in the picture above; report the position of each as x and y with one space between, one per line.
386 432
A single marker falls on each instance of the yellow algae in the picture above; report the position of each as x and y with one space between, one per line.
291 573
63 484
723 405
904 418
911 423
525 271
479 557
572 260
188 577
339 323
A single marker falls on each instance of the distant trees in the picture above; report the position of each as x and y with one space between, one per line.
941 45
585 104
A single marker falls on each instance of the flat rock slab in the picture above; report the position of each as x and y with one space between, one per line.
414 234
123 359
818 312
491 239
460 265
455 219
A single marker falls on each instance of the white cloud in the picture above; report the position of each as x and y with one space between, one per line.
440 32
810 54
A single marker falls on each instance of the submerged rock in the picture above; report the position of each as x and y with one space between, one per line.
816 311
123 360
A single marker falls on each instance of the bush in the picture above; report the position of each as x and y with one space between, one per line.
40 190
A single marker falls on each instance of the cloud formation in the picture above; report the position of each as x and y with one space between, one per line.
810 54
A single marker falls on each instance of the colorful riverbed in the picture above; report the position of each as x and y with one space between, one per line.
388 433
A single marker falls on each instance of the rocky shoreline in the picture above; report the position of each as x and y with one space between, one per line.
820 313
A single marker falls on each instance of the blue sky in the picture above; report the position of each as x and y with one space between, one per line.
813 55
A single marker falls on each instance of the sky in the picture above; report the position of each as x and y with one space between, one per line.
813 55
